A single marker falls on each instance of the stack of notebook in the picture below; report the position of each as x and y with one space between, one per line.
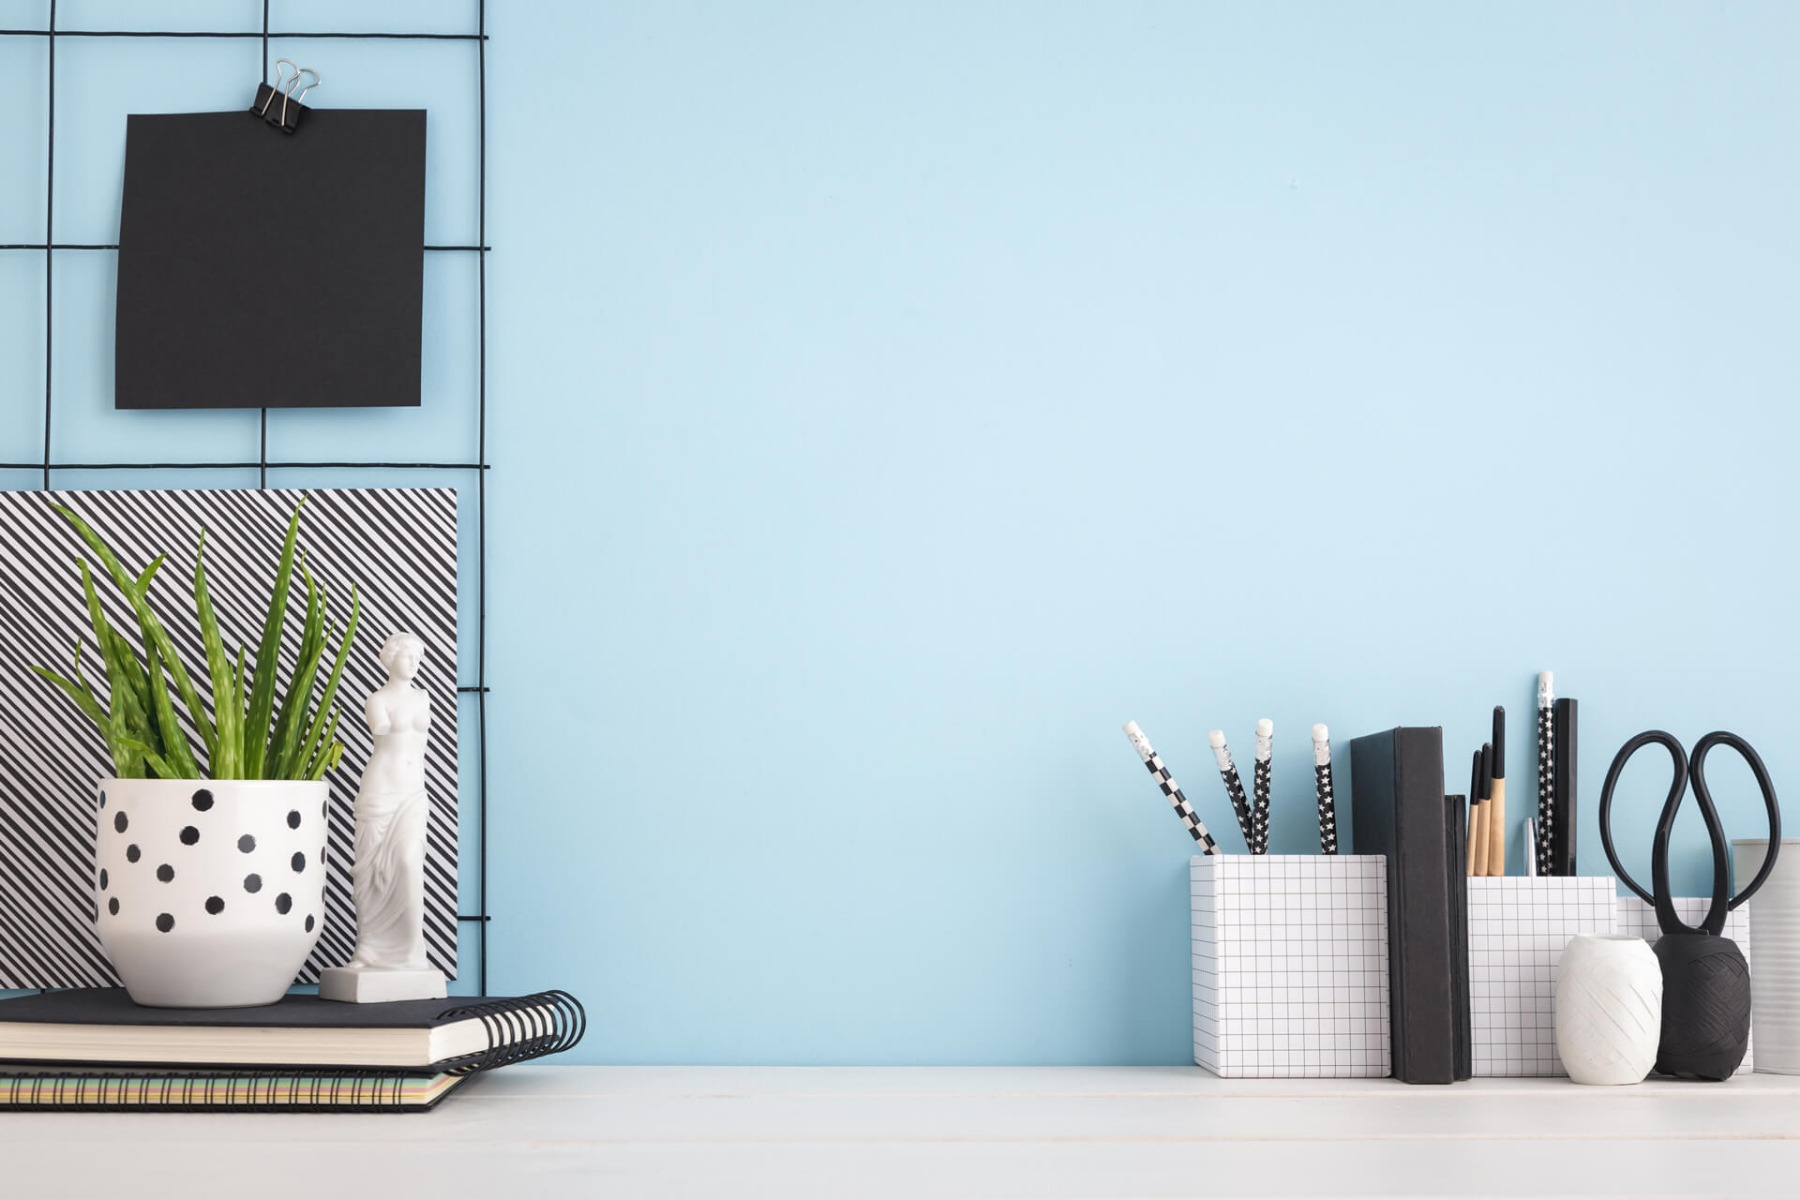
93 1048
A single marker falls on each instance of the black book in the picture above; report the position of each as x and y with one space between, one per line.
1456 826
1564 819
461 1035
1397 810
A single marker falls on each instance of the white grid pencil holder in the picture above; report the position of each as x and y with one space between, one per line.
1518 927
1290 965
1639 918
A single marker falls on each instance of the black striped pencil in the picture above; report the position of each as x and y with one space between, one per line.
1234 788
1261 778
1546 769
1170 788
1322 778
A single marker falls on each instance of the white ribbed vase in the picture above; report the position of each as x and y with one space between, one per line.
1608 1008
1775 935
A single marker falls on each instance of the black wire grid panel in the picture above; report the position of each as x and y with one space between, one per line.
50 247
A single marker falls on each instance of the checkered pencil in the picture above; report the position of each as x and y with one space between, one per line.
1170 788
1546 769
1234 788
1261 779
1322 777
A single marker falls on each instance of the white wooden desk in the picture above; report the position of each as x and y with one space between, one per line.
545 1131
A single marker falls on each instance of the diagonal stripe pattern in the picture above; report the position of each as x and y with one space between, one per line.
397 545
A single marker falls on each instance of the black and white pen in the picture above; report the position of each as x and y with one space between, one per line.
1170 788
1234 788
1261 780
1546 806
1321 738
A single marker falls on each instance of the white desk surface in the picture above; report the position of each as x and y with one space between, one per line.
545 1131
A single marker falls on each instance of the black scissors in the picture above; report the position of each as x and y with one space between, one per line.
1690 770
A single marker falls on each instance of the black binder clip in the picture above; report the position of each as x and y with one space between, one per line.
286 115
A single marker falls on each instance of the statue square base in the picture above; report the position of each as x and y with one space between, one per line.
373 985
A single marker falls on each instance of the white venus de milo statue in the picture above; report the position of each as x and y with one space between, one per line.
389 872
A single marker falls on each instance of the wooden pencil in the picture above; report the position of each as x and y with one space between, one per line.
1497 803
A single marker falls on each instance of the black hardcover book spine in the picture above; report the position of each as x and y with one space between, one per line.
1456 825
1562 833
1397 810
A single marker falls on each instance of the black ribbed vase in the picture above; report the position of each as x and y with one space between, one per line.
1705 1006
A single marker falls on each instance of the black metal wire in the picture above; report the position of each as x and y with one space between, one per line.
237 33
481 477
49 247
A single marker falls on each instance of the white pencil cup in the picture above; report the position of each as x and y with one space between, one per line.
1518 928
1290 965
1775 984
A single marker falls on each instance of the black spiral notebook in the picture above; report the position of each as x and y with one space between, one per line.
104 1025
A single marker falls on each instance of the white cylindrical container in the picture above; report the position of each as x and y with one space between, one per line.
211 893
1775 934
1608 1008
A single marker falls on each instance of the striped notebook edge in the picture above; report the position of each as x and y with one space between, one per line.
64 1089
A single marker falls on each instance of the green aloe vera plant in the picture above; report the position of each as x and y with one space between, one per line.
245 734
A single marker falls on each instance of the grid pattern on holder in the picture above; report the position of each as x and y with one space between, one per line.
1518 927
1290 965
1637 917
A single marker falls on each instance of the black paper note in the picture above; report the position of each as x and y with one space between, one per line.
258 269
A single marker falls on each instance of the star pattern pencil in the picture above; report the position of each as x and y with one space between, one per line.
1546 806
1321 738
1262 779
1170 788
1234 787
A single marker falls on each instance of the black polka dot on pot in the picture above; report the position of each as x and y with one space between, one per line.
165 922
132 853
283 903
189 835
246 843
102 799
298 862
112 906
253 883
215 905
166 873
103 879
119 822
294 819
202 800
309 924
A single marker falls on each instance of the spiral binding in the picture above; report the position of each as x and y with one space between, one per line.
519 1029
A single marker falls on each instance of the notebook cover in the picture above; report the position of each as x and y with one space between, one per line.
114 1006
1397 810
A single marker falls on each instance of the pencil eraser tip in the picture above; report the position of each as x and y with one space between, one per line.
1216 739
1321 734
1132 730
1265 728
1545 678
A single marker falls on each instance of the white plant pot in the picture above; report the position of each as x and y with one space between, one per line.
1608 1008
211 893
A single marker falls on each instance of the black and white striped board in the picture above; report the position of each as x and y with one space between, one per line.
397 545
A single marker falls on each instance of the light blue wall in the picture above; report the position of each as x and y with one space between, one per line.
891 400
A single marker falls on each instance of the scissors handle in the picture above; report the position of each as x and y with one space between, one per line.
1697 771
1677 789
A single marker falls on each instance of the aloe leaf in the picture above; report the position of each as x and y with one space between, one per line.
296 705
309 744
114 728
153 631
225 764
152 759
79 693
262 696
330 752
175 743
